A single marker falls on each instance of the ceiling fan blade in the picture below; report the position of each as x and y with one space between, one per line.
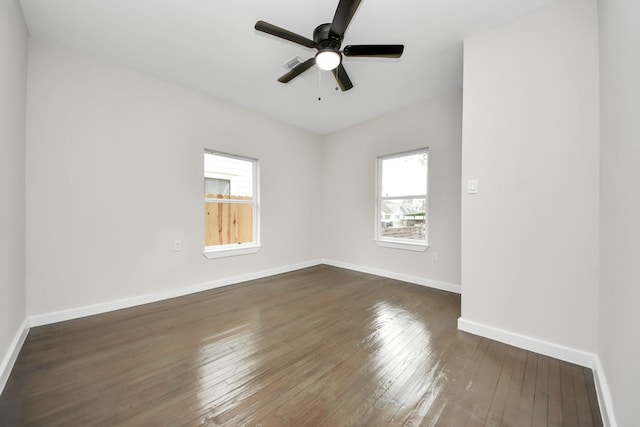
345 11
297 70
274 30
379 50
344 82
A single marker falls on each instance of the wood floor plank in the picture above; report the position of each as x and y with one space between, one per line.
485 383
527 394
582 398
596 416
494 415
512 405
569 408
554 407
459 407
317 346
541 395
425 400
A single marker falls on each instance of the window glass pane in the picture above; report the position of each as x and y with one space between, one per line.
403 219
237 172
404 176
228 223
217 187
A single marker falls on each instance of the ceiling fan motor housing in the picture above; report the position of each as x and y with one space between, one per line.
324 39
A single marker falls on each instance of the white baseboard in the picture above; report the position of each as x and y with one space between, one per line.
90 310
547 348
604 394
12 354
568 354
444 286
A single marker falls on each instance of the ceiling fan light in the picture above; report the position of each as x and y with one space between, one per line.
328 59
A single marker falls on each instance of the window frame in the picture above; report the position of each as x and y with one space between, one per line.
234 249
397 242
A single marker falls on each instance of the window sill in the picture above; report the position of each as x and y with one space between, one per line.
416 247
230 251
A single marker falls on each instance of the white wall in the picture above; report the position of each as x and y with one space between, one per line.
620 204
349 189
13 72
530 136
114 175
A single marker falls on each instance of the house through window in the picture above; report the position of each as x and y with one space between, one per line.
402 200
217 186
230 204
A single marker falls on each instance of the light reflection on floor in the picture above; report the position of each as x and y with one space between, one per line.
403 339
225 366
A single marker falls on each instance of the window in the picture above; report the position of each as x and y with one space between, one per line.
230 205
402 202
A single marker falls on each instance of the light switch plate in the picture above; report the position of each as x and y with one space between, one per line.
472 186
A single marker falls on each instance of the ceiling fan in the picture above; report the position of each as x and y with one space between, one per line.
327 39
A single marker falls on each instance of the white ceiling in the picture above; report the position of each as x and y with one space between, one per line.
212 47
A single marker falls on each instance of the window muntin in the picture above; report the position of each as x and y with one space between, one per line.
230 201
402 198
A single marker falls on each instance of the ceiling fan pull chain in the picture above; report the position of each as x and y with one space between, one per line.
319 84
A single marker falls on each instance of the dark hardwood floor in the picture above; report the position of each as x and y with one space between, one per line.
317 347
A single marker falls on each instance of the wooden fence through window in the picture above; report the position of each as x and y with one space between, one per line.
227 222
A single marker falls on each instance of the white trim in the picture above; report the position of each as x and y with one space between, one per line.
417 247
547 348
229 201
12 354
444 286
90 310
228 250
604 395
536 345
